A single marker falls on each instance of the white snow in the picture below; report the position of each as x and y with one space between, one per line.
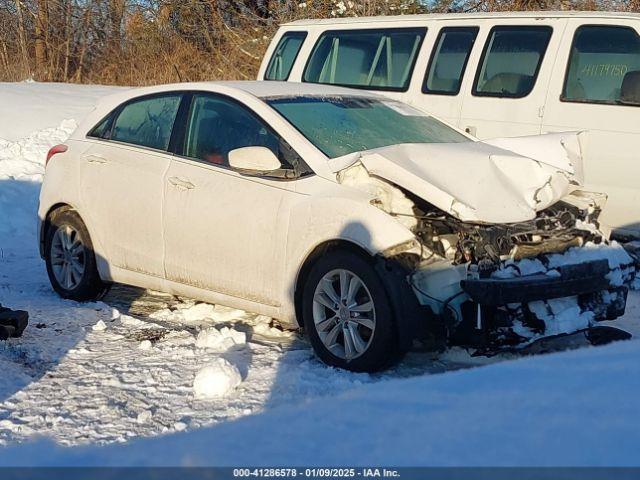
223 339
116 371
216 379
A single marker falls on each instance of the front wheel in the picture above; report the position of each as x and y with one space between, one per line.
347 314
71 263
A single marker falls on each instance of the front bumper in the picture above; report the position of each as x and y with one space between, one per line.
573 280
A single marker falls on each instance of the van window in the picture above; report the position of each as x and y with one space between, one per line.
511 60
284 56
604 60
449 60
148 121
372 59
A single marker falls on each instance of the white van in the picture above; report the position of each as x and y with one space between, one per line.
494 75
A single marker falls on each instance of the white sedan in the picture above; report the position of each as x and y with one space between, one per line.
362 220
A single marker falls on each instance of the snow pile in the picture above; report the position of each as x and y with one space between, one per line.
221 340
31 106
21 172
572 409
216 380
196 313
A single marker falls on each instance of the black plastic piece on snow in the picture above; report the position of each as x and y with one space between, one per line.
602 334
12 322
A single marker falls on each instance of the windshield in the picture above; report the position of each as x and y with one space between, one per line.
339 125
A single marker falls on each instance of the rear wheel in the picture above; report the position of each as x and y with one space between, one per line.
347 314
71 263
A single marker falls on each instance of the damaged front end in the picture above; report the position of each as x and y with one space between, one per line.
492 277
496 286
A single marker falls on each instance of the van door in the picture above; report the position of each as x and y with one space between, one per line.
598 90
440 93
511 80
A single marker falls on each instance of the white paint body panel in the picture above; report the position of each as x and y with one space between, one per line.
611 141
197 229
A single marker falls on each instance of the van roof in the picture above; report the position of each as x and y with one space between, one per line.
462 16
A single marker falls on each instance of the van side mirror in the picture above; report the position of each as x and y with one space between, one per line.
630 89
254 159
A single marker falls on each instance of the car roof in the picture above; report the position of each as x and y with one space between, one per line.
249 89
462 16
261 88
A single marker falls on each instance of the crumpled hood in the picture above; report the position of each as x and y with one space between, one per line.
484 182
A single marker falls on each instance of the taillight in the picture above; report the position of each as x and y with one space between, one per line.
55 149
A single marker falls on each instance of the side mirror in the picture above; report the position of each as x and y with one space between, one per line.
254 159
630 89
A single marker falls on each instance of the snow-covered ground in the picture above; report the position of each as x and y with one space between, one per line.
233 389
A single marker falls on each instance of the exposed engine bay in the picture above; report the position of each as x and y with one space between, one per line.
496 272
554 230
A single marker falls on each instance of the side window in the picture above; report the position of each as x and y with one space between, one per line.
284 56
103 129
604 66
511 60
374 59
217 125
449 60
147 122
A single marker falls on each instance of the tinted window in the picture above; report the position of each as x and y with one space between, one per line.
147 122
218 125
375 59
284 56
511 60
449 60
339 125
103 129
603 61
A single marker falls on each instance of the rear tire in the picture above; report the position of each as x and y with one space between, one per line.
347 314
70 260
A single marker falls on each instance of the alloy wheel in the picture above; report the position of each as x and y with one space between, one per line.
344 314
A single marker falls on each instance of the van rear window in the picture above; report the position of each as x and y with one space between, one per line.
371 59
604 66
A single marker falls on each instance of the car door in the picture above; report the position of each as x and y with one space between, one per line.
511 79
225 231
597 69
122 186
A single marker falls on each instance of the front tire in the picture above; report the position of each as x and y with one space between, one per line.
70 260
347 314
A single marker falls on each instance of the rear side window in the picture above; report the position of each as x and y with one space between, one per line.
449 60
604 66
511 61
372 59
284 56
147 122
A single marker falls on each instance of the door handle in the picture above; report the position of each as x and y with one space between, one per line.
93 158
180 183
